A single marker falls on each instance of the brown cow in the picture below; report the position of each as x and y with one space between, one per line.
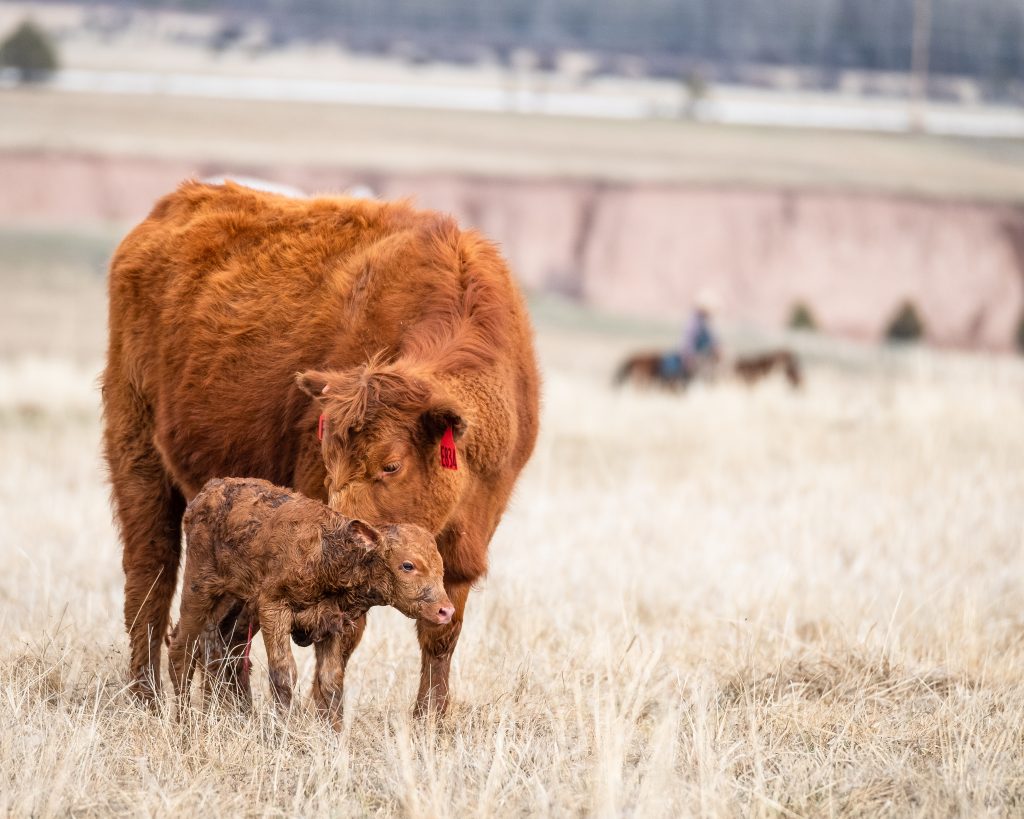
410 338
290 561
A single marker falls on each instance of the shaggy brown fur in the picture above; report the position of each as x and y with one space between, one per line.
402 326
291 562
753 368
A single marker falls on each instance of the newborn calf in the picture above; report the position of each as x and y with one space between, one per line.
286 563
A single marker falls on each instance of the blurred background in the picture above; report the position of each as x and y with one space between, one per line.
738 599
850 168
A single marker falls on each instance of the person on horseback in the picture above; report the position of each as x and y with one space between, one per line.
700 342
698 351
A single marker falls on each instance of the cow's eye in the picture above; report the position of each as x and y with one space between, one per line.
407 566
391 468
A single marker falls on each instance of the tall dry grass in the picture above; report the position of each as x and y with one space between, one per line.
731 603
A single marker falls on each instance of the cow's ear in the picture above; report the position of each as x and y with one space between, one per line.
436 420
313 383
361 535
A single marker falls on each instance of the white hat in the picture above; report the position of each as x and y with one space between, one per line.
706 300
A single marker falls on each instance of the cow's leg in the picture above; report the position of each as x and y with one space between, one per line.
151 531
332 656
437 644
148 509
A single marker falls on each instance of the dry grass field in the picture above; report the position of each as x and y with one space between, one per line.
730 603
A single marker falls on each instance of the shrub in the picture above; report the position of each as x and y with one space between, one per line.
906 325
28 51
801 318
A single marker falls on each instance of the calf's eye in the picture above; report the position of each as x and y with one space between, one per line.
391 468
407 566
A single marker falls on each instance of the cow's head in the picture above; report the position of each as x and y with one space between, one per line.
383 427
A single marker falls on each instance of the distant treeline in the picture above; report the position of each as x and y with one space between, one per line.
983 39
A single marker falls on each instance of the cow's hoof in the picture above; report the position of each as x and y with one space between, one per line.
144 691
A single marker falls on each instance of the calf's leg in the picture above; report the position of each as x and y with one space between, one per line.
225 672
332 655
182 656
275 622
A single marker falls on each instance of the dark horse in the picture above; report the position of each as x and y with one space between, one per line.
654 369
752 368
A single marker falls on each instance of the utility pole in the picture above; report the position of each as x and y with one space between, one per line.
920 47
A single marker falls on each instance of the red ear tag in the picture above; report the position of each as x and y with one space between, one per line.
448 459
320 427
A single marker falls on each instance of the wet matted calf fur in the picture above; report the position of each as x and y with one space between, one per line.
273 559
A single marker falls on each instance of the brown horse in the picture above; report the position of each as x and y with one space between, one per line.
653 369
649 370
752 368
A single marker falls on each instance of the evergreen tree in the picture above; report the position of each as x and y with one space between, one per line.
906 325
29 51
801 318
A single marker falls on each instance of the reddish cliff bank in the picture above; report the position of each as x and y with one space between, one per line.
644 248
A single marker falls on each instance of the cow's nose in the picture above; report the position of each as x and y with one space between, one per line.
444 614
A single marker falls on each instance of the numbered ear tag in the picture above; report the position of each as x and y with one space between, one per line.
448 458
320 427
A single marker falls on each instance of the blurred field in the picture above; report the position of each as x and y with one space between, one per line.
729 603
261 133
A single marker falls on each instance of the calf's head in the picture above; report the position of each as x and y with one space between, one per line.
413 569
382 430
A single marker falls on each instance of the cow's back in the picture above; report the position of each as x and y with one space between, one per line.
223 293
216 271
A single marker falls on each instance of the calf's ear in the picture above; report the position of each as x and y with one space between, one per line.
361 534
436 420
313 383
